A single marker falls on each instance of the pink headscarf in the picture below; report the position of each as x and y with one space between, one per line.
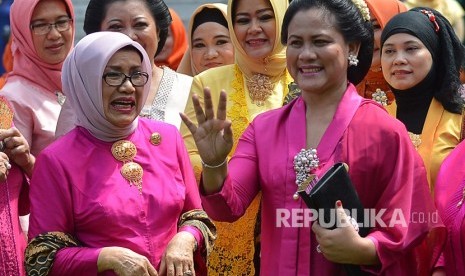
82 82
26 63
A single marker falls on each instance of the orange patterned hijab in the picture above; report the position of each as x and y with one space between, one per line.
383 11
179 42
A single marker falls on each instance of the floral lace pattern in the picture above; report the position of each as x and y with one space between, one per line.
234 249
156 111
416 139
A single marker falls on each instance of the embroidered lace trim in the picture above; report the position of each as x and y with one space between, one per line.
157 110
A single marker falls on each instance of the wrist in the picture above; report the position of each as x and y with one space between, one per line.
198 238
205 165
105 258
191 237
368 254
27 169
102 260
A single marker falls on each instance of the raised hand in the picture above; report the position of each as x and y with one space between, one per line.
124 262
213 136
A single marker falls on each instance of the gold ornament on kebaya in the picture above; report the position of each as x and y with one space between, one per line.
155 138
260 88
125 151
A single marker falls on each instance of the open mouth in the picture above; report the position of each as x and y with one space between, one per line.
256 42
123 105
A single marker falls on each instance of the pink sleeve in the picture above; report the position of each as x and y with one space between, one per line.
440 263
55 213
399 196
24 205
76 261
192 198
197 235
240 186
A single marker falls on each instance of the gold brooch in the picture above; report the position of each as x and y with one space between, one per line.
260 88
125 151
155 138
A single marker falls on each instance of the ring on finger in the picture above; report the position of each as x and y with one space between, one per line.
188 273
354 223
7 165
318 249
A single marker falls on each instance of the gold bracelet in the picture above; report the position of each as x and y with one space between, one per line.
213 167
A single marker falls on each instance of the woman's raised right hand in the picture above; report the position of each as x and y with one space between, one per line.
124 262
213 136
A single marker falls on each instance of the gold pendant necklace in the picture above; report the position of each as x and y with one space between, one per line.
260 88
125 151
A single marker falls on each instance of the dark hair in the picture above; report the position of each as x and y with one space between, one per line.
350 23
96 12
448 60
209 15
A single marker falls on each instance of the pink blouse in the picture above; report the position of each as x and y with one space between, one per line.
385 168
449 192
77 188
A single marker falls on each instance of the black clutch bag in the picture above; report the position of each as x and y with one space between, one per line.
335 185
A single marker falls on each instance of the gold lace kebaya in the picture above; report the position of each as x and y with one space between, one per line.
260 88
125 151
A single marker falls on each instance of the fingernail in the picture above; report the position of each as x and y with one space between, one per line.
338 203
